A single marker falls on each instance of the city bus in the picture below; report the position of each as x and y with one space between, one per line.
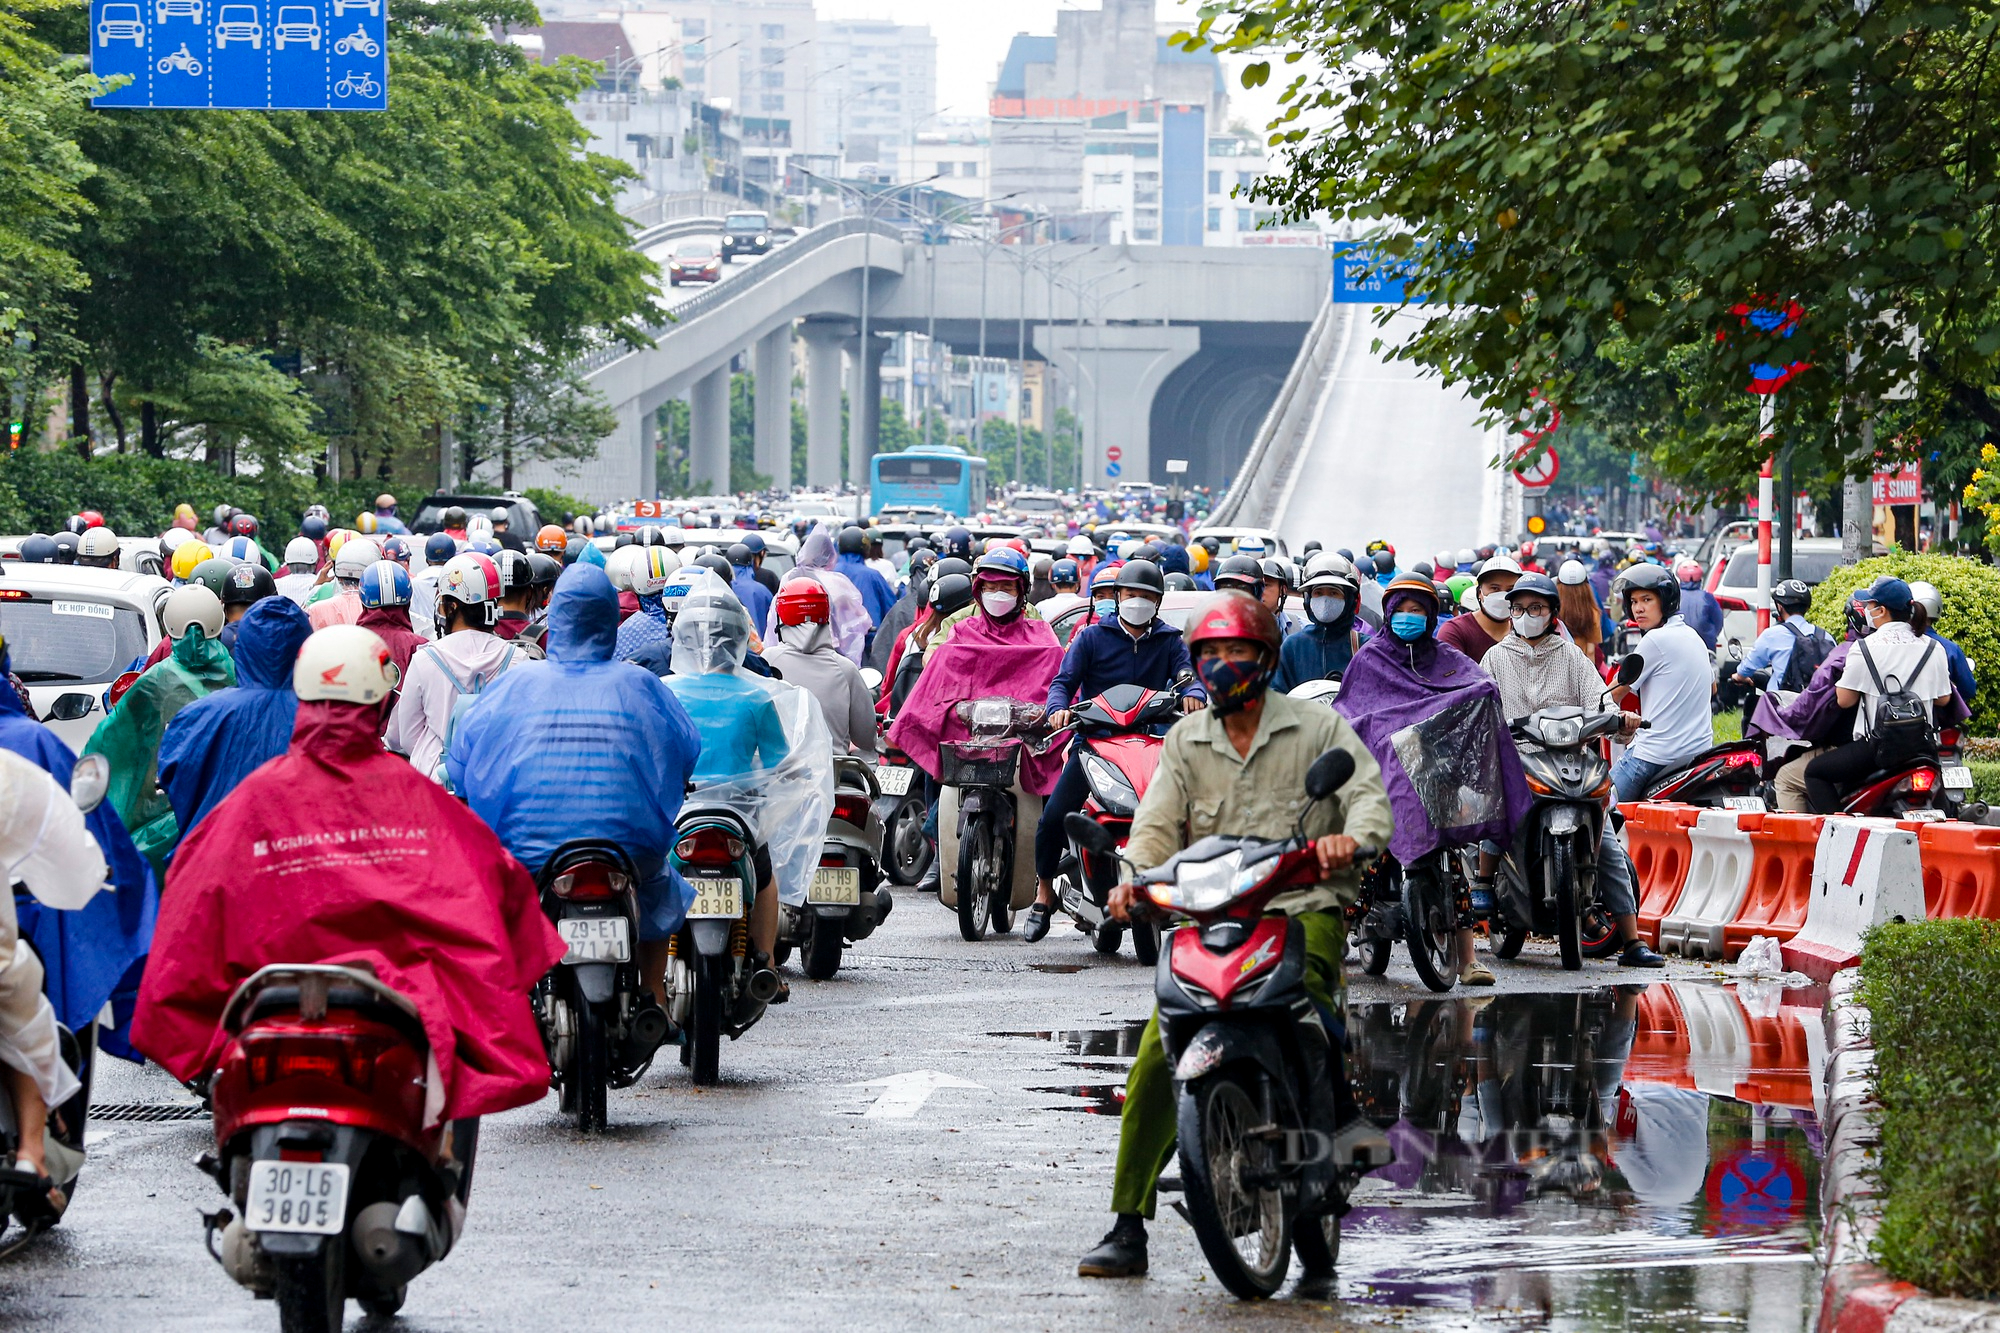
942 475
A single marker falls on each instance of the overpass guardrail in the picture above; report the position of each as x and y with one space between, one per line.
1250 493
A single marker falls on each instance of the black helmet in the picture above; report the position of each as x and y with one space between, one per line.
958 542
719 565
543 571
38 550
922 558
1181 583
623 540
1793 595
1143 575
1425 568
1384 561
738 554
953 564
454 517
1540 585
851 541
313 527
573 550
1310 547
1656 579
246 584
1240 569
66 543
514 570
649 535
1284 571
951 592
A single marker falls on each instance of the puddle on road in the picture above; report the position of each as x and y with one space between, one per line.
1097 1098
1629 1158
1059 969
1119 1039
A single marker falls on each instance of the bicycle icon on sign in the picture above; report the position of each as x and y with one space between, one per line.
182 60
362 85
357 41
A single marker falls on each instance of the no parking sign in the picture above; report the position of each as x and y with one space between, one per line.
1754 1186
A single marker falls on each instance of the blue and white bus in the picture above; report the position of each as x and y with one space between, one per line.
942 475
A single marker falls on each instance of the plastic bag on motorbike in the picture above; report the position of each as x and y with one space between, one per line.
1453 759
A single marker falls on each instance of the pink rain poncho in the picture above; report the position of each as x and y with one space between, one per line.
981 658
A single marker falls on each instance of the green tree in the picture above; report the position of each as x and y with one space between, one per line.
545 413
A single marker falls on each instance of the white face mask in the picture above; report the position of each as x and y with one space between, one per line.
999 604
1136 611
805 638
1494 604
1531 627
1326 610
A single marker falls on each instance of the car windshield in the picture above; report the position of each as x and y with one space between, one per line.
1040 504
71 639
121 13
743 222
1811 566
694 250
430 518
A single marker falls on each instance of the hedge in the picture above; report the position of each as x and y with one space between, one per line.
1930 988
1971 618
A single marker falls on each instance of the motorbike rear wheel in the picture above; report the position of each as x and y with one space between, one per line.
821 955
1374 956
1431 926
976 854
590 1065
705 1038
1245 1233
1146 942
1108 936
311 1293
1559 866
909 851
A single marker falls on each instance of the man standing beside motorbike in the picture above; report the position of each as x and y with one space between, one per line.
1238 769
1136 648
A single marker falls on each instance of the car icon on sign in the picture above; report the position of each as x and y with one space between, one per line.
374 7
120 23
238 23
176 9
296 23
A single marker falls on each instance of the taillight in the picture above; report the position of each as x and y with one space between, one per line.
589 881
851 809
118 688
1731 603
1739 759
1922 781
15 595
1948 738
340 1057
710 847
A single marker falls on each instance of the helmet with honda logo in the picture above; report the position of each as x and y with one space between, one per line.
384 583
552 540
344 664
803 601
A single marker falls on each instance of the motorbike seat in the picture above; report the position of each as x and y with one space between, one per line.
277 1001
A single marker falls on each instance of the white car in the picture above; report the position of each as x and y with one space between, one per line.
120 23
136 555
238 23
1273 543
1813 558
71 632
296 23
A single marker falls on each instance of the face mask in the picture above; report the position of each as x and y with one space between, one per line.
1531 627
1136 611
1230 685
1409 626
999 605
1494 604
1326 610
1105 608
805 638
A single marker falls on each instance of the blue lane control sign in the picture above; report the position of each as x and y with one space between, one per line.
1363 276
267 55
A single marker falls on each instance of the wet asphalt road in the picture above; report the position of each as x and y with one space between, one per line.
774 1201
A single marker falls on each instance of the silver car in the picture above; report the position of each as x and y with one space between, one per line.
71 632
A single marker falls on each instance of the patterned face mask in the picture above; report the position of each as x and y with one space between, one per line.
1231 685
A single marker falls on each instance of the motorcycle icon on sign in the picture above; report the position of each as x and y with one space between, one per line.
362 85
182 60
357 42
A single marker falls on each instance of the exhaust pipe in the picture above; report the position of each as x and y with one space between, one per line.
391 1255
649 1028
762 985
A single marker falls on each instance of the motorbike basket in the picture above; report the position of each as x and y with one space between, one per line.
963 765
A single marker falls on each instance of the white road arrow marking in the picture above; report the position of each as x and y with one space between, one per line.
903 1095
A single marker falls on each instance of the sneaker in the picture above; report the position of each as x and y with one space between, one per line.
1122 1252
1037 923
1638 955
1477 973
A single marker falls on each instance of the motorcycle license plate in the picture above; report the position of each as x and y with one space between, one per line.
1748 804
1957 777
893 779
836 884
297 1196
716 898
596 939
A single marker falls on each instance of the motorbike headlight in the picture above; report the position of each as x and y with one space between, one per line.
992 713
1109 786
1202 887
1562 732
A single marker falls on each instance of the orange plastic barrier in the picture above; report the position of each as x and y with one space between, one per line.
1656 838
1961 869
1781 864
1781 1068
1660 1041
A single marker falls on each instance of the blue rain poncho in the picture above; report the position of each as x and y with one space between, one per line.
581 746
96 952
215 742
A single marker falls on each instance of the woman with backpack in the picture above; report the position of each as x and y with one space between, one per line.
1895 681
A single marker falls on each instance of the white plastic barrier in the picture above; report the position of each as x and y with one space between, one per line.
1718 1038
1865 872
1718 876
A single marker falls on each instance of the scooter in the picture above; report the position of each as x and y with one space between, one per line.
1423 905
986 819
847 898
599 1022
344 1183
713 984
1548 883
1118 748
1264 1169
1729 776
899 808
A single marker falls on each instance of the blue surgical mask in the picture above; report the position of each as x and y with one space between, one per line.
1409 626
1106 607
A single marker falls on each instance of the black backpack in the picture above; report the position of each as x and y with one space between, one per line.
1902 726
1811 648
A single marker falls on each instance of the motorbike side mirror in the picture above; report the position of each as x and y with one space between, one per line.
70 707
1088 834
1629 669
1329 773
871 678
89 779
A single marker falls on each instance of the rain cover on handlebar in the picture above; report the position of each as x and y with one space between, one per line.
1454 764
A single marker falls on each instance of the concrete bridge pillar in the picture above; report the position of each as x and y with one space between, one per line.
823 340
1117 369
864 405
649 453
708 429
771 364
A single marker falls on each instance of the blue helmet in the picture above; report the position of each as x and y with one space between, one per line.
314 527
385 583
396 549
1065 571
484 546
755 541
1002 560
439 547
243 550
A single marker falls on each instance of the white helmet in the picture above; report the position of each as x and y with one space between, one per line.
189 605
1079 545
172 539
478 528
1469 599
1129 548
1466 555
344 664
650 572
243 550
674 535
1500 564
1251 544
473 581
97 544
1923 594
302 551
1572 574
1329 569
621 564
356 554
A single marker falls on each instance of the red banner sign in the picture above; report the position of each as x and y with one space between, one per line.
1904 486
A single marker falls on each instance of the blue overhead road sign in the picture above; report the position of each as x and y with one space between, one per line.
267 55
1363 275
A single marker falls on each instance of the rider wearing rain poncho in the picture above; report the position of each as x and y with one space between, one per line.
765 748
851 622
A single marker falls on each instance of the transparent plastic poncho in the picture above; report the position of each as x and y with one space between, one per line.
1454 762
851 622
787 803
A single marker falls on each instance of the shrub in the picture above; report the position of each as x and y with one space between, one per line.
137 494
557 506
1929 987
1985 781
1971 619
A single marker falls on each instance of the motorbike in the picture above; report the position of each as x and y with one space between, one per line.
1254 1057
1547 883
900 810
1729 776
343 1183
600 1024
1118 747
1955 779
713 987
1423 905
847 898
986 819
1931 785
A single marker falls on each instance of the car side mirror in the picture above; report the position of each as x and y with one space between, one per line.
1630 668
1329 773
70 707
89 779
1088 834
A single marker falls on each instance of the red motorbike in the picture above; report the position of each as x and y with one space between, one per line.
345 1182
1118 744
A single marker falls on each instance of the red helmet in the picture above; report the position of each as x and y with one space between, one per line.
804 601
1016 543
1230 615
91 518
